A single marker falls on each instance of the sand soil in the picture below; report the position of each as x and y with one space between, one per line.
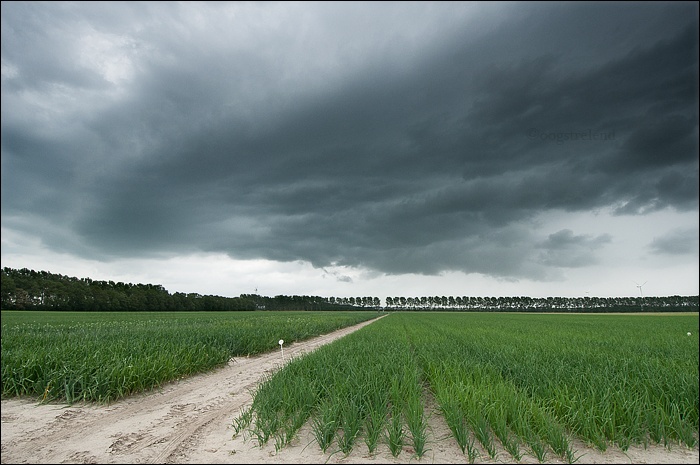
191 421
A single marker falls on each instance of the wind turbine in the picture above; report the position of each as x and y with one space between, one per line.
640 293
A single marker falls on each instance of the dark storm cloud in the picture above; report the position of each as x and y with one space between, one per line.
399 137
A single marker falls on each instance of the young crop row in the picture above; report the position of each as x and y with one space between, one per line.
101 357
520 383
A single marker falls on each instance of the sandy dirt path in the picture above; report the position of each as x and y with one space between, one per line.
190 421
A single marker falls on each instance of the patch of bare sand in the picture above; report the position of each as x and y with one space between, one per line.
191 421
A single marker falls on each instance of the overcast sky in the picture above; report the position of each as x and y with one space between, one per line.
354 149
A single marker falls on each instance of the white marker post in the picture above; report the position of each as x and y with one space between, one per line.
281 348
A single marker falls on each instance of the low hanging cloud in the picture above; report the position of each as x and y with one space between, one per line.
676 242
567 250
420 138
337 276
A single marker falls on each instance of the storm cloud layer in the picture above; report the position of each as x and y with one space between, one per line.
395 137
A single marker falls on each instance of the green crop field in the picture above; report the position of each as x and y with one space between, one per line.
526 383
100 356
522 383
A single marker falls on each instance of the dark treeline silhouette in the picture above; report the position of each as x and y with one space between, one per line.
673 303
24 289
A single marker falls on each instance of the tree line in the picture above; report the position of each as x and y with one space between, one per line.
673 303
24 289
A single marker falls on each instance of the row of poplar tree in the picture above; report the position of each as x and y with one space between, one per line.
24 289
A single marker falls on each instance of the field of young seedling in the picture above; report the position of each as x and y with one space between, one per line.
81 356
500 387
527 384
